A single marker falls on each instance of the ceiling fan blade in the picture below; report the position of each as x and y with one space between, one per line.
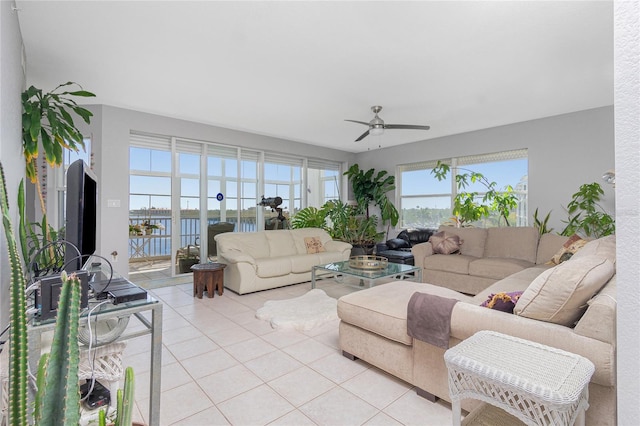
359 122
362 136
406 126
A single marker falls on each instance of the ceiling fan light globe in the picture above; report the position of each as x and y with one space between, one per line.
376 131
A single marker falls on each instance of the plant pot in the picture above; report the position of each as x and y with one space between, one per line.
362 250
184 265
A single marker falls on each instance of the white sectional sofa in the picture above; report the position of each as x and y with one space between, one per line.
373 323
268 259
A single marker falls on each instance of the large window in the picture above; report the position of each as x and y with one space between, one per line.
188 184
427 202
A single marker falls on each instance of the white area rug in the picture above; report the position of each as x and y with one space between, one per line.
301 313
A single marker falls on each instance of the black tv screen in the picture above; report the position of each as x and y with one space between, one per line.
81 211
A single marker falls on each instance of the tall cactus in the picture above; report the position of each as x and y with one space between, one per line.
18 319
59 399
124 402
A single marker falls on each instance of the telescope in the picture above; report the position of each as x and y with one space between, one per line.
272 202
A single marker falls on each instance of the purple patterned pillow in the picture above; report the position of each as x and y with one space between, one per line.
504 302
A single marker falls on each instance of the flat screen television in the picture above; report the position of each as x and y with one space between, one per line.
81 212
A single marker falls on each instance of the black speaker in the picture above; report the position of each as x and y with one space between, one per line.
49 293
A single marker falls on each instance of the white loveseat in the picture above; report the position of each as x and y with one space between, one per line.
268 259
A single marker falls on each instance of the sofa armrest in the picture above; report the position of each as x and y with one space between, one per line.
339 246
237 257
420 251
467 319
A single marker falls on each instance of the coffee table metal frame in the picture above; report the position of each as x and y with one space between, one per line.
399 270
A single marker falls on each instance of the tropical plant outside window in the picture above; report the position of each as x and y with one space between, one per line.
428 202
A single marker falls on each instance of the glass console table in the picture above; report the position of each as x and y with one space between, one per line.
108 310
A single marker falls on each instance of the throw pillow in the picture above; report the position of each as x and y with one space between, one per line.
444 243
397 243
568 249
504 302
314 245
560 294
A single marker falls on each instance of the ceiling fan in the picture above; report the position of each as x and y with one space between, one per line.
377 126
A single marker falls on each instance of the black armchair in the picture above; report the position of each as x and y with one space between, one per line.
398 250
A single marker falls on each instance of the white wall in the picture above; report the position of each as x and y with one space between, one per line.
627 127
11 85
110 128
565 151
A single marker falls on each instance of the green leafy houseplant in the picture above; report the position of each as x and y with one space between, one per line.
468 207
47 122
371 188
586 215
542 225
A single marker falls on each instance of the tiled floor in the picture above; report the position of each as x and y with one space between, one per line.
223 366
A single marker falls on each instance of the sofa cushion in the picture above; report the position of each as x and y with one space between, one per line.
303 262
458 264
280 243
493 267
253 244
444 243
473 239
603 247
515 242
268 267
548 245
298 236
314 245
559 295
383 309
568 249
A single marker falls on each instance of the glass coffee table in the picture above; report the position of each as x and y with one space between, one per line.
391 270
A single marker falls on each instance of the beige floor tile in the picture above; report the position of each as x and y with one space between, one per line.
266 406
294 418
191 348
258 327
182 402
208 363
330 338
250 349
171 323
381 419
338 407
228 383
272 365
338 368
301 386
308 350
284 338
230 335
181 334
377 387
228 307
411 409
209 417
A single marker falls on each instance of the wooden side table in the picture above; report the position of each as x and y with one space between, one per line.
209 276
538 384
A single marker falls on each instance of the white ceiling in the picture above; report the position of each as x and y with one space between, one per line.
296 70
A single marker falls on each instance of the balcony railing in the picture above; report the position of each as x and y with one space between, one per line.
157 245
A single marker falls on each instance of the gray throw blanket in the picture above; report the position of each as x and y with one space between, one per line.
429 318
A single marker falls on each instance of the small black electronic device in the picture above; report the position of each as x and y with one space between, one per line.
126 292
49 292
99 396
